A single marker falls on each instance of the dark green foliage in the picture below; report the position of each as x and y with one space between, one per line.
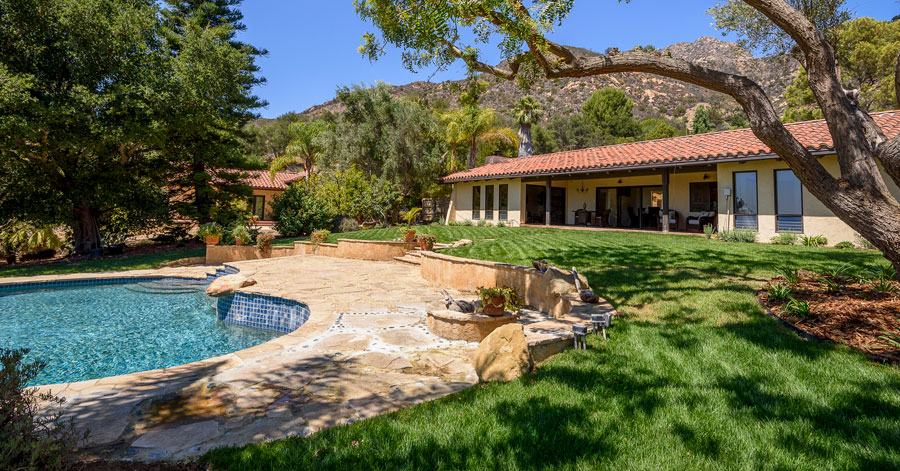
299 211
786 238
738 235
701 123
790 275
845 245
813 241
31 438
798 308
610 111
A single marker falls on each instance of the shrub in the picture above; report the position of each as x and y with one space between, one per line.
347 225
798 308
708 230
813 241
31 438
298 211
864 243
845 245
884 285
468 222
501 224
882 271
779 292
789 274
240 233
738 235
319 236
785 238
264 241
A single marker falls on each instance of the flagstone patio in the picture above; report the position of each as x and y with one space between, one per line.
365 350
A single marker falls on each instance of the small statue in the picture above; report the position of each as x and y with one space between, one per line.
458 305
586 295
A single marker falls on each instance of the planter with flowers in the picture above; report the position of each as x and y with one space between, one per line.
211 233
426 241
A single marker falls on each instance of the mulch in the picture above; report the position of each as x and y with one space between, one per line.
854 315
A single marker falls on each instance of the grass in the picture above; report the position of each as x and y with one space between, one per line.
694 376
134 262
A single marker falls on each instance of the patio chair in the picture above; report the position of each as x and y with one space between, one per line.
673 220
581 217
696 223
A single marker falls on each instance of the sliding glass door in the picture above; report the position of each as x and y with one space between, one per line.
746 209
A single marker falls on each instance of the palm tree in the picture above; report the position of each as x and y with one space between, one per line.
474 125
527 111
304 147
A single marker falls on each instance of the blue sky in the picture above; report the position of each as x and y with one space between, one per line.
313 44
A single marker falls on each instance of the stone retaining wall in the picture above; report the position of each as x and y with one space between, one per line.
378 250
466 274
219 254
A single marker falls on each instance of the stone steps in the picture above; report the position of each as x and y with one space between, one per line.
410 259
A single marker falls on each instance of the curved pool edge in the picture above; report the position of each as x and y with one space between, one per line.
201 368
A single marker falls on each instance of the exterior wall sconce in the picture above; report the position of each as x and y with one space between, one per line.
705 176
580 332
620 181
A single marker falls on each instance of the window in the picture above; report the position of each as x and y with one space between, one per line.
504 201
476 202
703 196
489 202
788 202
258 206
745 201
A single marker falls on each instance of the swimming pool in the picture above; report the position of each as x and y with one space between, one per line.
113 328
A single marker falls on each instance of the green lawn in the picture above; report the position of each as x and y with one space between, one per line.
134 262
693 377
444 234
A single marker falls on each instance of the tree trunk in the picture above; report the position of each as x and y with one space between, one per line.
473 149
87 229
526 148
202 201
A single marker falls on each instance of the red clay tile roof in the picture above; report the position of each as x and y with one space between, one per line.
260 180
739 144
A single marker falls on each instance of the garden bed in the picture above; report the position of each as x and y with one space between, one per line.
842 308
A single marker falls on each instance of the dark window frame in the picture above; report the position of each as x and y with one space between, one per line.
489 202
777 214
476 202
734 197
503 203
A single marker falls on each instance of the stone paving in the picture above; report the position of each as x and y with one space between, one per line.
364 351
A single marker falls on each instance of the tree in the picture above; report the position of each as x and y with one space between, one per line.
298 210
611 112
527 111
655 128
859 195
213 75
701 122
866 49
474 125
305 147
394 139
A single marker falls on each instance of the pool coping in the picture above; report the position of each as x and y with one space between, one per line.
203 367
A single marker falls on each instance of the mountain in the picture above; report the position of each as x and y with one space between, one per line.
652 95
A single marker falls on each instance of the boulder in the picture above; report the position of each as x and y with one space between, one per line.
228 284
461 243
503 355
559 281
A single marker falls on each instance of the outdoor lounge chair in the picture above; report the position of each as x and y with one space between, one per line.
697 222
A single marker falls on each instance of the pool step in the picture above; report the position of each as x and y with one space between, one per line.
166 287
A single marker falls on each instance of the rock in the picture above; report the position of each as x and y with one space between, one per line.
586 295
461 243
228 284
559 281
503 355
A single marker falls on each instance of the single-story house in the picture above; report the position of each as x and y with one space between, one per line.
265 189
727 179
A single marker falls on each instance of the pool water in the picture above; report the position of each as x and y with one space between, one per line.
105 330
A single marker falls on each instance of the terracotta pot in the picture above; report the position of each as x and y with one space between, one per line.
238 242
410 235
213 240
495 308
426 244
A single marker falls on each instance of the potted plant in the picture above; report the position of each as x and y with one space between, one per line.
409 234
426 241
211 233
241 235
493 300
319 236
